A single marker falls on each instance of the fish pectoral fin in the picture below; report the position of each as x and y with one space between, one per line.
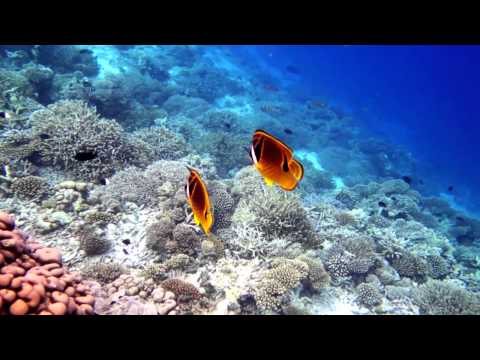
195 218
269 182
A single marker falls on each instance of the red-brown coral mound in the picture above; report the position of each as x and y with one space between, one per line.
33 280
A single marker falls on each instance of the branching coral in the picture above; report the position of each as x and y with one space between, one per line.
74 138
166 144
437 297
103 272
281 215
30 188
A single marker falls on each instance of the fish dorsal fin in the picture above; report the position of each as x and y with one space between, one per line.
278 142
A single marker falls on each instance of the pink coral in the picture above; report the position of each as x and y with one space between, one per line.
33 280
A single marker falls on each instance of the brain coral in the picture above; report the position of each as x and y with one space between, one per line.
74 138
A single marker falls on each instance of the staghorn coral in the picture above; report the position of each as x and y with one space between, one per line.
369 294
30 188
70 129
33 280
103 272
437 297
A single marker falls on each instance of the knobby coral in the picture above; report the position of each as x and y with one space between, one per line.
33 280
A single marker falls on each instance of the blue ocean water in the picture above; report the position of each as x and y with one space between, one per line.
98 144
422 97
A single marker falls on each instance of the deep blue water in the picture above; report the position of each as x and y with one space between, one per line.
423 97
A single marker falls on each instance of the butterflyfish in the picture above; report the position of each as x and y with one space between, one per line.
199 201
274 161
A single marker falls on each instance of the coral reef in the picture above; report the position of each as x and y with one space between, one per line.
103 272
182 289
368 294
30 188
74 138
437 297
280 215
133 295
33 280
92 242
222 204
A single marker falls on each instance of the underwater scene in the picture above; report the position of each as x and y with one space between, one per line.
239 180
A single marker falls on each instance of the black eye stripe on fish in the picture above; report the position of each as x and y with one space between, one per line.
285 163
